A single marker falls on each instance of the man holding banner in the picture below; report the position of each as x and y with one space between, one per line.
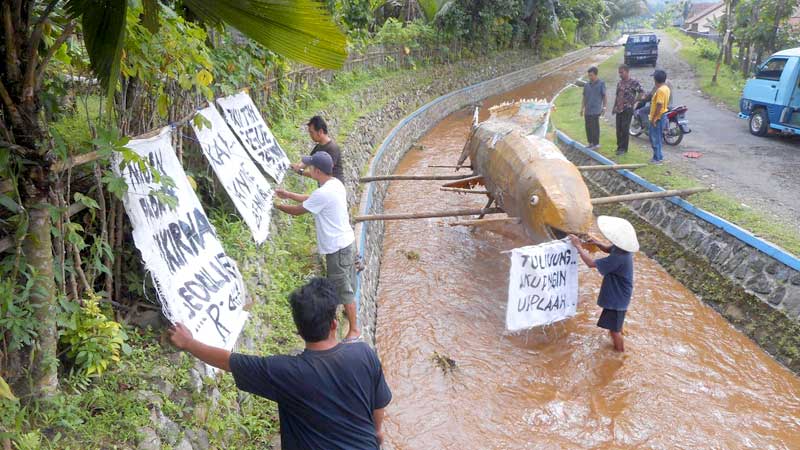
335 237
330 396
617 270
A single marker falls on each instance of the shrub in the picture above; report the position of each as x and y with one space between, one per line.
92 341
705 49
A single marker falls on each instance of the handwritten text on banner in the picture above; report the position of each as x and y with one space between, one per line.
543 285
242 115
197 283
248 189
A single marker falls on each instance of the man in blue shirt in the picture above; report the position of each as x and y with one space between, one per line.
331 396
617 270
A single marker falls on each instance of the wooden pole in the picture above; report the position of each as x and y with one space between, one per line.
514 220
647 195
428 215
610 167
445 166
464 191
413 177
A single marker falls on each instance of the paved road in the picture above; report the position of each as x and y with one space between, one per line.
762 173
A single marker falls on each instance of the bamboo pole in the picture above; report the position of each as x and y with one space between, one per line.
610 167
513 220
428 215
647 195
413 177
464 191
445 166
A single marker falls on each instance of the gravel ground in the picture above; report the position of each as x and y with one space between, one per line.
762 173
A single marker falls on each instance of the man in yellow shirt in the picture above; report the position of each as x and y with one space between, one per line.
658 106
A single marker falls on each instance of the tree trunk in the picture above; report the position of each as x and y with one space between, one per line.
38 249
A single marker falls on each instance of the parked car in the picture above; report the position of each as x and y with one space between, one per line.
771 99
641 49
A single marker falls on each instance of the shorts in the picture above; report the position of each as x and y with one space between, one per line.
611 319
342 273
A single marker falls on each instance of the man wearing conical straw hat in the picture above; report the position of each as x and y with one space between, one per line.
617 271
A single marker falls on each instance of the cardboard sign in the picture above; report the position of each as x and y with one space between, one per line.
543 285
243 117
196 282
249 190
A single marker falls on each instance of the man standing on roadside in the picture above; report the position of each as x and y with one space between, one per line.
318 132
331 396
628 91
335 238
593 106
658 106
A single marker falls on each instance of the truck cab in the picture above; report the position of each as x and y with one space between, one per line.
771 99
641 49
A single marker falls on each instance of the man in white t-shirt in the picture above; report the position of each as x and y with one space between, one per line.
335 237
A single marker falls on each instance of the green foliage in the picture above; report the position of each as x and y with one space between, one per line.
91 340
705 49
412 34
16 313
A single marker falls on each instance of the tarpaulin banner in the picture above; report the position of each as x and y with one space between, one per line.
248 189
196 282
542 285
243 117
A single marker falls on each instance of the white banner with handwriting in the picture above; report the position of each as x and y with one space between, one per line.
196 282
248 189
243 117
543 285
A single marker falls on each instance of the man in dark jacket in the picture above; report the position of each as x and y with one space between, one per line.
318 132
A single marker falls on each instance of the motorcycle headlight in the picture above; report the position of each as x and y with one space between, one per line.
654 52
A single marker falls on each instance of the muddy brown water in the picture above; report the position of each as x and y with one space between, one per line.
687 380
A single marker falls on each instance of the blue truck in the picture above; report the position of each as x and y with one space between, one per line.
641 49
771 99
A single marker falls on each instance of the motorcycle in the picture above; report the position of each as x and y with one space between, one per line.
673 133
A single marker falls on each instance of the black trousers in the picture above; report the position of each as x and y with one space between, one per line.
592 129
623 126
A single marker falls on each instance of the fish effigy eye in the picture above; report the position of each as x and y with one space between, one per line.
534 200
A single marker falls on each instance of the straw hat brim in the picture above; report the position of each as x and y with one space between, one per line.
620 232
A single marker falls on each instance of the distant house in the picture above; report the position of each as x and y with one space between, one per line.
703 17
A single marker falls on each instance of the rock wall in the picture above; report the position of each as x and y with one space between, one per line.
751 282
369 235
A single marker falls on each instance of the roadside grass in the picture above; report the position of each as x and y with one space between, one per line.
566 118
702 56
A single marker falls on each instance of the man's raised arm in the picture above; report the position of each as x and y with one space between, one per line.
182 338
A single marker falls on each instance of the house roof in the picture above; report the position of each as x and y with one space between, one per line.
700 10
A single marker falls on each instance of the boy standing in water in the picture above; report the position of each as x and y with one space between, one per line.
617 270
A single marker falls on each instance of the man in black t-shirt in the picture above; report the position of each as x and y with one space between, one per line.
318 132
331 396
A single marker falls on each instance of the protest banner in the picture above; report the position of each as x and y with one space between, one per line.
249 190
542 285
243 117
196 282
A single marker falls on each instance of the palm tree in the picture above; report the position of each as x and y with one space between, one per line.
300 29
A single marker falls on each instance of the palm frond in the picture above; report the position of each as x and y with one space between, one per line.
429 8
301 30
103 23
